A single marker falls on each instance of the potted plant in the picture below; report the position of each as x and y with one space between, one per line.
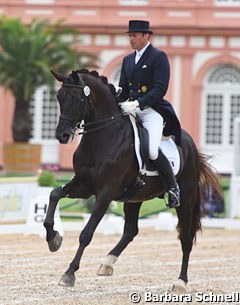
27 53
47 178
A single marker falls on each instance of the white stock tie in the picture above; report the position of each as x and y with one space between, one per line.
137 57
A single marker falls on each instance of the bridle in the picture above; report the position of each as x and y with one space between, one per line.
93 125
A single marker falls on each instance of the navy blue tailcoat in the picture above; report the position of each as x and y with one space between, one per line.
147 81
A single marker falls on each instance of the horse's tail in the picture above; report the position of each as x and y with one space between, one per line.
208 181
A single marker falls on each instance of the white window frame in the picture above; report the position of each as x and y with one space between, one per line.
222 153
40 1
133 2
50 147
227 3
226 92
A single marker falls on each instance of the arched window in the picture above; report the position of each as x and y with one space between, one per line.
221 104
225 74
45 112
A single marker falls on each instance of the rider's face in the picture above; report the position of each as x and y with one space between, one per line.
138 40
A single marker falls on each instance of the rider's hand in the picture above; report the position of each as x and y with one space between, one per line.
130 107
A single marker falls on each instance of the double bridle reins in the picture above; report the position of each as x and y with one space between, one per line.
84 127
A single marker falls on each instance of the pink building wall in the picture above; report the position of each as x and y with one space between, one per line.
196 34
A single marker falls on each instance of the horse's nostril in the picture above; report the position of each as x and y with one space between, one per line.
63 138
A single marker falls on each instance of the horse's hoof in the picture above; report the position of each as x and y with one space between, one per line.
105 270
67 280
55 243
179 287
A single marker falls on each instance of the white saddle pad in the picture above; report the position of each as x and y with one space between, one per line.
168 147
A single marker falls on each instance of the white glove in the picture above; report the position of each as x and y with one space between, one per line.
130 107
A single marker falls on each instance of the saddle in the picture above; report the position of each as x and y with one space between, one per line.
144 146
168 146
146 166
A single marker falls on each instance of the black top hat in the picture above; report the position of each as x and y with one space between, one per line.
138 26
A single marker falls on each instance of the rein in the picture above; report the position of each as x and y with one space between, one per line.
110 120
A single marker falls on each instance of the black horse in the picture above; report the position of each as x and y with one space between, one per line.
105 165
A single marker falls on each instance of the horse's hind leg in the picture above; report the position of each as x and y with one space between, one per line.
131 211
188 225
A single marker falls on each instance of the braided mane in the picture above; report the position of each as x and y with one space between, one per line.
101 77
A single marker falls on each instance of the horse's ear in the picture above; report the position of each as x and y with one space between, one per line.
75 77
59 76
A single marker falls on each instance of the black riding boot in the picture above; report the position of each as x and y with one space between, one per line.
164 168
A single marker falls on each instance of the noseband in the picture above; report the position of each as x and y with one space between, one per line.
80 126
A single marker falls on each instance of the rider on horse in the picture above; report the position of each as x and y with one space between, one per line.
144 81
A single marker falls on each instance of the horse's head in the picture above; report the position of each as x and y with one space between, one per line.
73 98
84 95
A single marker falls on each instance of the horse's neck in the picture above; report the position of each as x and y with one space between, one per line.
102 103
110 137
100 115
106 145
104 107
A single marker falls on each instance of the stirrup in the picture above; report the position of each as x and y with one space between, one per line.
171 199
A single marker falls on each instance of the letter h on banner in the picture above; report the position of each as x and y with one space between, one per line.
37 213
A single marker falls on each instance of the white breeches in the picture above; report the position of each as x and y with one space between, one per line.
154 123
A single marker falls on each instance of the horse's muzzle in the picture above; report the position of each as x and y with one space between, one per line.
64 131
64 138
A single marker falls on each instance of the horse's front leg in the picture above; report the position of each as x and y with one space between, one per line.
100 208
131 211
73 189
53 237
